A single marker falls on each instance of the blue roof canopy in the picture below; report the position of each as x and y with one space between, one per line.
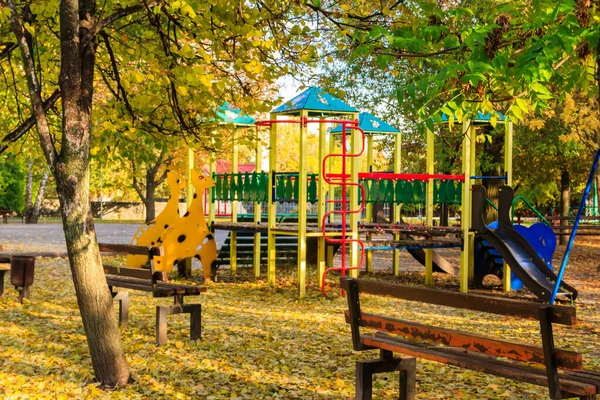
228 114
370 124
480 119
315 99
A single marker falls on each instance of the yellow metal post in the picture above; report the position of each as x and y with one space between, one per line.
508 170
234 203
356 144
302 209
272 205
473 168
465 258
212 209
321 202
429 206
189 196
369 206
396 216
257 211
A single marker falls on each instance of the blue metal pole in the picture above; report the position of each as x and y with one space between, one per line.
561 272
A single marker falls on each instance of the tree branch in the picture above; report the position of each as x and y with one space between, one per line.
30 122
123 12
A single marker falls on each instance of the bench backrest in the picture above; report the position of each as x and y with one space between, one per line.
436 335
143 273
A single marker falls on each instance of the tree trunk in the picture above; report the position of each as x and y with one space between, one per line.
28 190
149 198
73 186
34 213
565 203
71 172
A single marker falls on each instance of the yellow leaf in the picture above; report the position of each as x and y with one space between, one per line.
182 90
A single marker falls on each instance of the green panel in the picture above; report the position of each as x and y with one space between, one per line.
239 190
252 193
439 189
217 193
312 188
398 188
263 187
407 193
280 187
389 192
226 194
381 187
289 189
295 186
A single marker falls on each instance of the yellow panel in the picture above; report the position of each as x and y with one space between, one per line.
149 233
191 237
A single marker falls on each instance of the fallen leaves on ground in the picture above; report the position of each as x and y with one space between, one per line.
257 343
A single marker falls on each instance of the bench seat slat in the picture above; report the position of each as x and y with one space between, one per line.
136 284
476 343
128 272
489 304
494 367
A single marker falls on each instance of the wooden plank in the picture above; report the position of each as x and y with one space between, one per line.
129 272
124 249
130 284
493 367
489 304
448 337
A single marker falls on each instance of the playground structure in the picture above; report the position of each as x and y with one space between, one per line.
181 237
317 107
338 217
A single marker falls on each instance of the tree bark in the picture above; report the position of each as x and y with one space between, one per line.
34 214
565 202
28 190
71 172
149 198
73 183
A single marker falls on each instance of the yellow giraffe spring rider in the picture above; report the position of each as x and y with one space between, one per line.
188 236
149 233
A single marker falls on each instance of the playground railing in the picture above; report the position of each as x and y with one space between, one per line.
531 207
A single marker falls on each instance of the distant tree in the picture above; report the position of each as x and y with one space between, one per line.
12 183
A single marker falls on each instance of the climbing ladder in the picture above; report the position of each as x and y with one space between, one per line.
344 180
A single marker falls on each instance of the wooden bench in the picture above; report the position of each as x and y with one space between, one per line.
152 281
559 370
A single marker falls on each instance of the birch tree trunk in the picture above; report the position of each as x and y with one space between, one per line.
34 213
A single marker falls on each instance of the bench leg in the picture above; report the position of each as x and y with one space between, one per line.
24 293
2 272
161 324
162 312
366 368
195 311
123 299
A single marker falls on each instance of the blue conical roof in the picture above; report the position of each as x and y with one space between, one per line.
370 124
229 114
315 99
481 118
